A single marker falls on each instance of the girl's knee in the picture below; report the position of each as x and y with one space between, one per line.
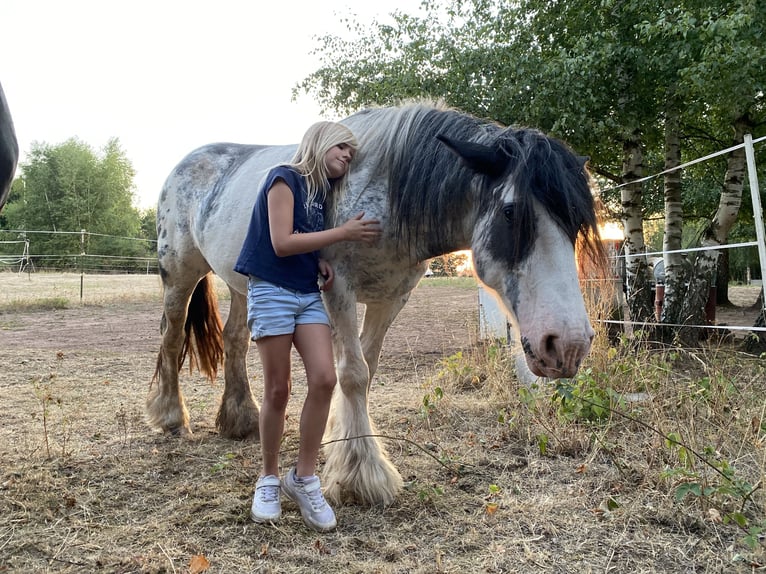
276 396
324 382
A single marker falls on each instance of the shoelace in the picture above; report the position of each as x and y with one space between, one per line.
316 499
268 493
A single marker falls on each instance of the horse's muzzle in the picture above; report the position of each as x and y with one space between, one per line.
555 357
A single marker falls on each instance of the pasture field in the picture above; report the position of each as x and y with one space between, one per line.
651 460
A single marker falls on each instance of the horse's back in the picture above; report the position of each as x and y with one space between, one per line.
200 174
206 202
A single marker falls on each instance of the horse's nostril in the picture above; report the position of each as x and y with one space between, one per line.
550 345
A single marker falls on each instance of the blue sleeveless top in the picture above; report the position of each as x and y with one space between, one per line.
257 257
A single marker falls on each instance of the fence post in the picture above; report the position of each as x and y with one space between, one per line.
757 211
82 262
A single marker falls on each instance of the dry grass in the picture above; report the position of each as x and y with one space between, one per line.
499 477
42 291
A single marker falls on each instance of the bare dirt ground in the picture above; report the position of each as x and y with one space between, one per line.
87 486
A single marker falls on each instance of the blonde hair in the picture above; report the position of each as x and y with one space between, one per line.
309 159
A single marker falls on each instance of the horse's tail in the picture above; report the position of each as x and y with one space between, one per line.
203 332
205 348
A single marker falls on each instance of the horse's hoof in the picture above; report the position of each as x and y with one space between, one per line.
179 432
252 434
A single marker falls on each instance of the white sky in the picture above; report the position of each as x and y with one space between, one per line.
166 76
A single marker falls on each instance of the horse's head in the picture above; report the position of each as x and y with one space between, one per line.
535 205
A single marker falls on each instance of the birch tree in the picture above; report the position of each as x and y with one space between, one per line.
715 62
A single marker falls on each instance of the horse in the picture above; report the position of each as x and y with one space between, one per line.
439 180
9 149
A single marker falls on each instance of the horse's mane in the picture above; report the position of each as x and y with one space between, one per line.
429 185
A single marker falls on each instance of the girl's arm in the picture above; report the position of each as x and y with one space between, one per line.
285 242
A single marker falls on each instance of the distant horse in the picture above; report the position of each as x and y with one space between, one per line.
9 149
439 181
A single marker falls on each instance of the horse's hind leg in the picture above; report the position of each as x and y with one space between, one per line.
358 465
238 414
165 404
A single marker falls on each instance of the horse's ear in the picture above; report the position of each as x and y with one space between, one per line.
584 159
478 157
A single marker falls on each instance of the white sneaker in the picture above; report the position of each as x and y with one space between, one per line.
266 506
306 492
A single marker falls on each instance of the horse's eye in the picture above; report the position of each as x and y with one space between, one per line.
508 211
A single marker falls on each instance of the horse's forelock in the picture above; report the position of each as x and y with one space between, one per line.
557 178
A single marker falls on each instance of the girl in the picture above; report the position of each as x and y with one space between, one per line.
280 256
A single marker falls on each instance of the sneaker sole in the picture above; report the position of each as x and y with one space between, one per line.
261 520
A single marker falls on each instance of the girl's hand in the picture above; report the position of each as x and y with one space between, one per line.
364 230
327 273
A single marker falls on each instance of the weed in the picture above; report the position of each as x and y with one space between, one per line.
430 400
721 488
492 502
425 493
456 366
43 391
223 462
121 417
584 398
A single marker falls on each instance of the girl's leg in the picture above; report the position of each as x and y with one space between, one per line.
314 343
275 358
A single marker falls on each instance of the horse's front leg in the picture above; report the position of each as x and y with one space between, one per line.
238 414
356 461
377 319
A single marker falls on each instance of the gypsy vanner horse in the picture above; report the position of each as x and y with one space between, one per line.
439 181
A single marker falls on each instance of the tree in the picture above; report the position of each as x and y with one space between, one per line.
568 68
629 83
449 265
69 188
149 224
149 231
713 61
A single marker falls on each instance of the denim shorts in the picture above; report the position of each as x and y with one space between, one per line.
274 310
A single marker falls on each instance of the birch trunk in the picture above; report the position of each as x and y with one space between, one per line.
674 262
637 274
717 231
722 279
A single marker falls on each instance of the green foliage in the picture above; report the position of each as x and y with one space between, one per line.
68 188
722 488
149 224
586 398
426 493
542 443
449 265
224 461
430 401
595 74
456 366
618 407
